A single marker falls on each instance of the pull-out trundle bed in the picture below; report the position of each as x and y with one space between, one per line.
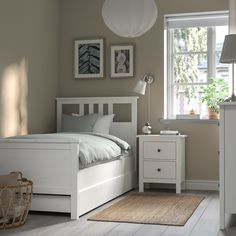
53 166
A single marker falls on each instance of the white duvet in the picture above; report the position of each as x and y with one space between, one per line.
93 147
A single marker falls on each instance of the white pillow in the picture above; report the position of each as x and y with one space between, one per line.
103 124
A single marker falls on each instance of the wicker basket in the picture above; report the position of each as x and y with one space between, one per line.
15 199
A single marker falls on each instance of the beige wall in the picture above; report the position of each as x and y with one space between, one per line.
81 19
28 65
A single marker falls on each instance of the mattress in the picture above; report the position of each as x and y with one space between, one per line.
124 154
94 148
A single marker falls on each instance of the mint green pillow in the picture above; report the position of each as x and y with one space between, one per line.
78 123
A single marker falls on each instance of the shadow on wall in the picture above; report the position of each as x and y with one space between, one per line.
14 92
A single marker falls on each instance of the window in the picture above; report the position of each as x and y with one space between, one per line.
193 48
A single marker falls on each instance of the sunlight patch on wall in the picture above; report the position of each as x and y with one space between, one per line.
14 92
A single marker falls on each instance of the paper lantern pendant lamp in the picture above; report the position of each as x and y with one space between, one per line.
129 18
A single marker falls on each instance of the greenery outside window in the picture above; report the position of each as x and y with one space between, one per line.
193 48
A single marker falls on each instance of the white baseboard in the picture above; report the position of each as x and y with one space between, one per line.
202 185
190 185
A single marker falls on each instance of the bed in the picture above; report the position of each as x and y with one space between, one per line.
53 166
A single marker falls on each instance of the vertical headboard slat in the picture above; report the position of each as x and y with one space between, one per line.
100 108
91 108
81 109
110 108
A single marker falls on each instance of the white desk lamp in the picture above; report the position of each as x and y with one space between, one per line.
140 88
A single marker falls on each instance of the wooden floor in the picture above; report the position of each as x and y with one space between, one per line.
204 222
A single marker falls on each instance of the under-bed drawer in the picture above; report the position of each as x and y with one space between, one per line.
159 169
159 150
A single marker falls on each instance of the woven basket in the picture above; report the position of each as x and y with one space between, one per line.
15 199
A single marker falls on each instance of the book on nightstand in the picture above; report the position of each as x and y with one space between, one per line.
169 132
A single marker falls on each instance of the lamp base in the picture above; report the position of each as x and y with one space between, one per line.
231 99
147 129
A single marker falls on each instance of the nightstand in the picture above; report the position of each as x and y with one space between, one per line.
161 160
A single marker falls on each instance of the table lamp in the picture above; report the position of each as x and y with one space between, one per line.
140 88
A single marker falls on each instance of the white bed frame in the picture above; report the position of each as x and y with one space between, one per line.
53 165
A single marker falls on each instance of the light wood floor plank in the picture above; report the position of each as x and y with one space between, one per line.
208 224
187 228
71 227
151 230
124 229
99 229
36 223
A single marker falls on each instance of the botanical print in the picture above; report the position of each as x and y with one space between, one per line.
122 63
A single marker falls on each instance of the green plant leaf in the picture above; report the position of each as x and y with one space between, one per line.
214 93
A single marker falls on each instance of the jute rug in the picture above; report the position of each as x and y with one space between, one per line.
151 208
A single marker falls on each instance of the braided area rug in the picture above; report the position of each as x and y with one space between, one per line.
151 208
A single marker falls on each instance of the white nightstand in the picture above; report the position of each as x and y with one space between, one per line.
161 160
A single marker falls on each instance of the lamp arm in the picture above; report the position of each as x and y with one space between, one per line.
149 79
233 78
149 101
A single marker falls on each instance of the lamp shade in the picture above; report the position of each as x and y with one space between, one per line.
140 87
228 54
129 18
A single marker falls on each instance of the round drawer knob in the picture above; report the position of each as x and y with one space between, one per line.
159 169
158 150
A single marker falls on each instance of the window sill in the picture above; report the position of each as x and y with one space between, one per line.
199 121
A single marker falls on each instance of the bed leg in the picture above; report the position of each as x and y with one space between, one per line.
74 198
74 214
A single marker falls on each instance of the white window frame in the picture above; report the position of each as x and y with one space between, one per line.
209 19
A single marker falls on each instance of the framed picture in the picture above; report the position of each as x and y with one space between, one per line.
122 61
88 59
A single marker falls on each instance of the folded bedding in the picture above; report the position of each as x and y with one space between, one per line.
93 147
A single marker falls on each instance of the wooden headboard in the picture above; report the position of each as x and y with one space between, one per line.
124 130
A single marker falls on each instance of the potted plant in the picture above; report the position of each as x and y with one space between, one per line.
213 94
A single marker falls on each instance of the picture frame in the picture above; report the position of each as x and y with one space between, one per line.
122 61
88 58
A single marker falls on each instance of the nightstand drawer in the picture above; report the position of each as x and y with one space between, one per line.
159 169
159 150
